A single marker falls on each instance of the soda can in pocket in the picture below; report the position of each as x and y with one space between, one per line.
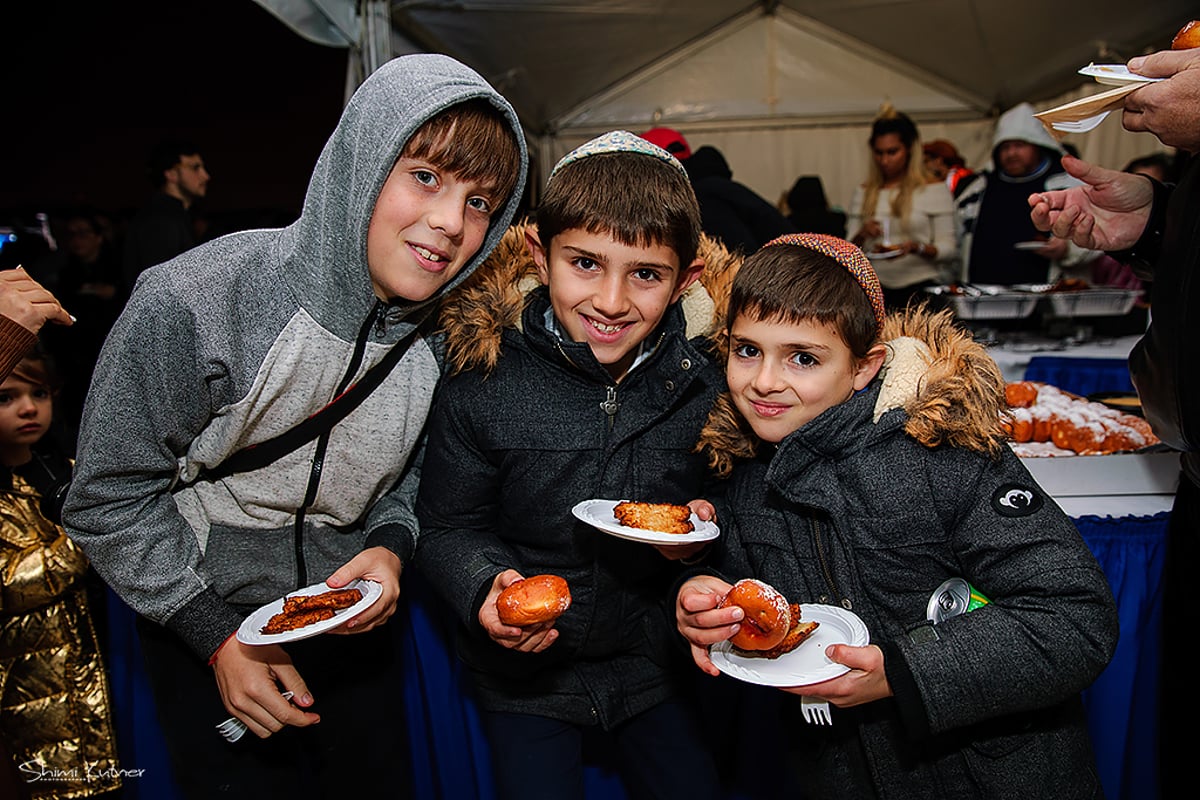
953 597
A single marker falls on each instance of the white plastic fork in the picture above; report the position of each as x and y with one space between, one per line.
816 711
1081 126
233 728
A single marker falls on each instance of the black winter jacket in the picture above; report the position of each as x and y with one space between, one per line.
511 450
1163 363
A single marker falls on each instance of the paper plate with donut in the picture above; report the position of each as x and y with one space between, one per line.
307 612
778 664
652 523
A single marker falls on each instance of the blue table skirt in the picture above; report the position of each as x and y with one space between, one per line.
450 757
1122 704
1081 376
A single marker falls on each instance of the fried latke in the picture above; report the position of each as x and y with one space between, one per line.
796 636
661 517
303 610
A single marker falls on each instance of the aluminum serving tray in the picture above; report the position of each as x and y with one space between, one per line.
1093 302
988 302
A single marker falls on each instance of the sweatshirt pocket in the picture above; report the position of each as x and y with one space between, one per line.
249 567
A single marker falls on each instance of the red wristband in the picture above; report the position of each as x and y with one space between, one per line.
213 658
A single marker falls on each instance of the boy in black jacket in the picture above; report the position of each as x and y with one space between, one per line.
587 386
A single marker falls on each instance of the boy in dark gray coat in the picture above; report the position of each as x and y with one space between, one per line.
865 486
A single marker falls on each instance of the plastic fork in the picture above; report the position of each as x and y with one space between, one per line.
233 728
816 711
1081 126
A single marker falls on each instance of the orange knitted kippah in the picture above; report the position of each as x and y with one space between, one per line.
848 256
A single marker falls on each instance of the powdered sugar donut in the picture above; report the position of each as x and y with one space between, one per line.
768 615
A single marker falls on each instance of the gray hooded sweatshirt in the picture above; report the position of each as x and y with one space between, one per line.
237 341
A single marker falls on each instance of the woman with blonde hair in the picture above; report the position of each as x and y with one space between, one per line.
901 218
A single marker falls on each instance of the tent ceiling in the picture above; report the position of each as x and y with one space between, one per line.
550 57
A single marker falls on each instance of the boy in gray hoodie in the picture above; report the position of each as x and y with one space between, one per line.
237 341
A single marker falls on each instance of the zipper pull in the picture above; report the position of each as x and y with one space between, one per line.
610 405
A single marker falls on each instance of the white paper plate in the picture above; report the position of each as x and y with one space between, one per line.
808 662
884 255
249 633
1114 74
599 514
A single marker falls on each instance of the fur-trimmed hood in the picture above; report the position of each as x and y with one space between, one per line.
950 389
473 317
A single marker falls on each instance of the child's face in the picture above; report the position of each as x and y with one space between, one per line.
608 294
784 374
25 412
426 226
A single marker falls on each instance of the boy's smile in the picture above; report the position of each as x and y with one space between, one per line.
609 294
426 226
782 375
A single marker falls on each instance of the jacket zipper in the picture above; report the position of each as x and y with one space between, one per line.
377 316
826 570
609 404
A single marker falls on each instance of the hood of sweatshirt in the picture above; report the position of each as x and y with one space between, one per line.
1019 124
330 237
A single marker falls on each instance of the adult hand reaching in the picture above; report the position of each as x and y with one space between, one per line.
27 302
1108 211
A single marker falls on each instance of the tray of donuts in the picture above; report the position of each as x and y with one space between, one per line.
1044 420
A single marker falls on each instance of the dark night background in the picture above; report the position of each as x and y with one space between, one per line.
89 87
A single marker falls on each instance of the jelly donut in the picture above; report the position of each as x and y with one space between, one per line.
533 600
768 615
1020 394
1188 36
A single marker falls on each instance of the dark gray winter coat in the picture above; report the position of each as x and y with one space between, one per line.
873 515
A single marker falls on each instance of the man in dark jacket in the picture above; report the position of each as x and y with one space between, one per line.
1156 228
162 229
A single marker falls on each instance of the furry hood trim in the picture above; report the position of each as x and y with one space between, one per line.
475 315
950 389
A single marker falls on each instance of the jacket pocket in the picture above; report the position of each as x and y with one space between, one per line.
251 567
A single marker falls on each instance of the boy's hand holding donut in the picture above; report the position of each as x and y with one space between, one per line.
700 619
518 633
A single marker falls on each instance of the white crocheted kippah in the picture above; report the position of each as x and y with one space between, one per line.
617 142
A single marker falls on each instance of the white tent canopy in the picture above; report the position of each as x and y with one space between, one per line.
781 87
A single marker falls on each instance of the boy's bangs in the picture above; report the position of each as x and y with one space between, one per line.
472 140
638 200
794 285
